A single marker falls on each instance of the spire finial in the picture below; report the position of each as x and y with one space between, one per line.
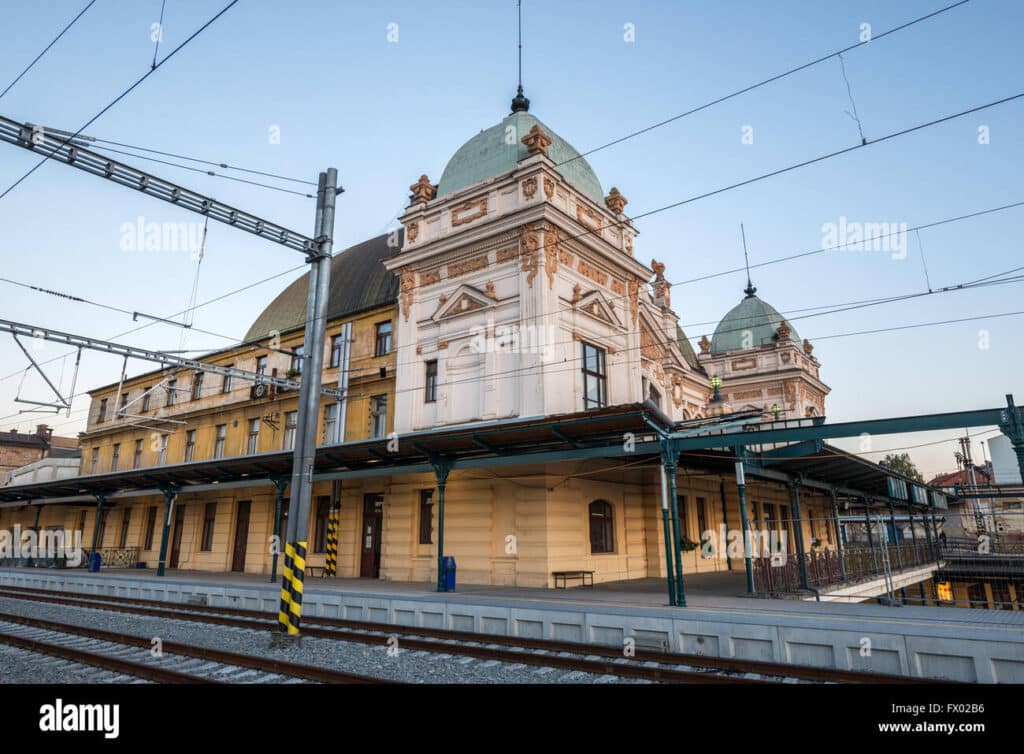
520 103
750 290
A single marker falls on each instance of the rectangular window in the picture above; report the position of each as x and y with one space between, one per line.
163 449
330 423
172 391
595 380
254 436
126 518
209 518
190 445
684 522
426 517
335 351
124 403
228 383
291 423
220 440
383 343
137 455
103 411
261 365
298 356
95 464
430 395
323 510
145 400
197 386
150 527
378 415
115 456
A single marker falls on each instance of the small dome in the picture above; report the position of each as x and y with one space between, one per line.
750 324
359 281
498 150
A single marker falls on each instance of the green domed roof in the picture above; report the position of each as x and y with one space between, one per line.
749 324
489 154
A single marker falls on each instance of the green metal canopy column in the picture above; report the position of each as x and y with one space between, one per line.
280 483
839 535
895 534
442 466
798 530
100 500
170 493
669 560
871 539
669 465
1012 425
741 489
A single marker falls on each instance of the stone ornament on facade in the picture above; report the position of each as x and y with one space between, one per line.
705 344
529 242
634 300
476 209
587 217
577 293
530 188
784 331
552 241
490 290
808 348
629 243
413 231
615 201
677 390
662 288
549 188
422 191
537 142
406 287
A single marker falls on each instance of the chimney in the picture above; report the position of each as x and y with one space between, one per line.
44 431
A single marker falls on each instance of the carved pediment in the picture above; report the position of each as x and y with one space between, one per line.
596 305
465 299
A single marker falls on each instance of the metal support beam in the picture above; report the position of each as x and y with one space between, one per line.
280 483
871 539
839 535
741 489
669 560
170 493
442 466
144 354
798 530
669 465
895 535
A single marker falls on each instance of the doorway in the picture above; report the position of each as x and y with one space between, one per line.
241 536
179 524
373 520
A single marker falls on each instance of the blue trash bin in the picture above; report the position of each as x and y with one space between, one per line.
448 573
94 562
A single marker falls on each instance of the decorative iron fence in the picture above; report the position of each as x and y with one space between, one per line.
826 567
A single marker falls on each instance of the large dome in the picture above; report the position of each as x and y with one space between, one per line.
359 281
749 324
490 153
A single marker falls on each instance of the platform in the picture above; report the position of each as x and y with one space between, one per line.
949 643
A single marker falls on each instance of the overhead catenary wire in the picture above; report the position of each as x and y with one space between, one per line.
47 48
122 95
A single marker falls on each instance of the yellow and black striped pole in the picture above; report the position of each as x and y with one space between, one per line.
290 614
331 566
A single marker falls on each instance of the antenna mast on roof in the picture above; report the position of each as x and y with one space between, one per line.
520 103
750 290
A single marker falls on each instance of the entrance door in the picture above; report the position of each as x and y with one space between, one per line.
241 536
179 524
373 519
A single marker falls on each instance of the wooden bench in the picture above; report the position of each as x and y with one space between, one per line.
312 570
582 576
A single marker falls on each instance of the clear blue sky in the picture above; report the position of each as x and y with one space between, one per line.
383 113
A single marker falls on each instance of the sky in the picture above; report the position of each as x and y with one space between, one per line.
387 91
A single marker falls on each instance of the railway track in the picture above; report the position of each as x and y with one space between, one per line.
176 662
642 664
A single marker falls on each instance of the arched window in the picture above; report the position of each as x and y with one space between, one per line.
602 527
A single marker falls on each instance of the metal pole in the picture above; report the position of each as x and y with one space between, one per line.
741 488
668 539
798 531
935 529
304 456
895 535
100 499
280 484
917 553
169 496
839 536
871 539
441 468
670 472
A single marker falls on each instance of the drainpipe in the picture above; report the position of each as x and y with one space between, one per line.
798 530
839 535
668 539
170 493
280 483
